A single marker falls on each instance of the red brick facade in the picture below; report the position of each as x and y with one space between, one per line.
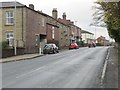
50 38
101 40
35 30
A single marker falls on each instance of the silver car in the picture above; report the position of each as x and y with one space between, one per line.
50 48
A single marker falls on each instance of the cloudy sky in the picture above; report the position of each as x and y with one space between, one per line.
76 10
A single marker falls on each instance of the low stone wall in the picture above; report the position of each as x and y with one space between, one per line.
10 52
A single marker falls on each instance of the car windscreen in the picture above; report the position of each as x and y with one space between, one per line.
47 46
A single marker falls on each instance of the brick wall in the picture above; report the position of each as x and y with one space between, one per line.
10 52
34 26
49 34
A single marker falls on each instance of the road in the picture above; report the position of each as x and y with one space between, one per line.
80 68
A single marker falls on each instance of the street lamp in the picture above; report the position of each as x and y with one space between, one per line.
15 50
95 34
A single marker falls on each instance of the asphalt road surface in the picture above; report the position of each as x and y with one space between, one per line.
80 68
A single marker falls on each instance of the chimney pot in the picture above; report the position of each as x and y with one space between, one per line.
64 16
31 6
54 13
72 22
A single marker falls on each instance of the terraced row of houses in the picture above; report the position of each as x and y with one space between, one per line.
34 28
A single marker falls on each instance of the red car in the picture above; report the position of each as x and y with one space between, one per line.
73 46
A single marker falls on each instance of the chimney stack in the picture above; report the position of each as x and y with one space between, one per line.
64 16
31 6
54 13
72 22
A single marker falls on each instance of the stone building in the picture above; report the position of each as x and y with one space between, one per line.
30 27
74 31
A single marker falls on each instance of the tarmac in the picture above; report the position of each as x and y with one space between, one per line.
111 73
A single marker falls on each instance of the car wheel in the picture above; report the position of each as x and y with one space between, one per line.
44 53
57 51
54 51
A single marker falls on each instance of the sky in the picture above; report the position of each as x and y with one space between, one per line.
79 11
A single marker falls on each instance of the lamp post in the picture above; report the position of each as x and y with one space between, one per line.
15 50
95 34
76 31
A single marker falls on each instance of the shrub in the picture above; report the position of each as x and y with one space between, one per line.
98 44
4 44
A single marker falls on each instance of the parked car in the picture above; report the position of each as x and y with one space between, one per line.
50 48
73 46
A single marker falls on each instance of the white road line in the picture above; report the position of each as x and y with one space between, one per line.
104 69
105 66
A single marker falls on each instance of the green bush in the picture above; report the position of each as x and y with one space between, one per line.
4 44
98 44
80 43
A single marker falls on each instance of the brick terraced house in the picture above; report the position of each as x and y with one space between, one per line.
34 29
74 31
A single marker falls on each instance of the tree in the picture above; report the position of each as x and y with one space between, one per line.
107 15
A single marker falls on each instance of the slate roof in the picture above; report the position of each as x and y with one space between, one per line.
10 4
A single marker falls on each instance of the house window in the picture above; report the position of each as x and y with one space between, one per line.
53 32
9 18
9 38
43 22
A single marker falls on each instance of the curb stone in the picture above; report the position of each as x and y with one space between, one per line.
20 59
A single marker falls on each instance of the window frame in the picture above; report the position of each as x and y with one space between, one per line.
9 37
9 17
53 32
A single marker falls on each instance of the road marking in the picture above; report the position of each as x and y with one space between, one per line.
105 66
104 69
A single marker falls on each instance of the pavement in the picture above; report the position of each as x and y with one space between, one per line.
20 57
24 57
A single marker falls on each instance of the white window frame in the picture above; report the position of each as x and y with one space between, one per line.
9 18
53 32
10 38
